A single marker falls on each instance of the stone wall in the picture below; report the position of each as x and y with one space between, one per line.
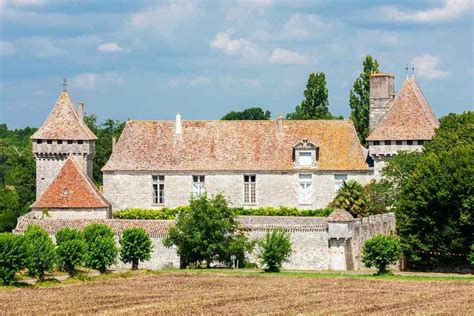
134 189
365 228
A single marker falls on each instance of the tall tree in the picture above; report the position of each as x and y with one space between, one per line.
254 113
359 98
315 105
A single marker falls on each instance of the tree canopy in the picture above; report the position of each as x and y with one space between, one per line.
315 105
254 113
359 98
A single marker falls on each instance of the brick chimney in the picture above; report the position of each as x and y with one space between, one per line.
382 93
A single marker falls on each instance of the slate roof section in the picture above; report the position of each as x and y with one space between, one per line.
410 117
71 188
234 146
63 123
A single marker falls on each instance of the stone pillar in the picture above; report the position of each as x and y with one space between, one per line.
340 225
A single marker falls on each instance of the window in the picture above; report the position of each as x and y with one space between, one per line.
305 196
421 142
80 142
60 142
39 141
305 158
339 180
409 142
250 194
398 142
158 189
376 143
198 185
49 141
69 142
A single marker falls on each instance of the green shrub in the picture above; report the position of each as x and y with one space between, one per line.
381 251
275 249
167 213
206 232
135 246
40 252
351 197
70 249
471 255
12 256
101 250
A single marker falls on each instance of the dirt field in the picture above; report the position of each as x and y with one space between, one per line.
194 293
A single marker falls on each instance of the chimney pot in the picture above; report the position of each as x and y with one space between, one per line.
178 124
80 111
114 141
280 123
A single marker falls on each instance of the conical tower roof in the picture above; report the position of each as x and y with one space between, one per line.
64 123
71 189
410 117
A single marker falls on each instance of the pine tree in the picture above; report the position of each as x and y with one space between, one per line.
359 98
315 106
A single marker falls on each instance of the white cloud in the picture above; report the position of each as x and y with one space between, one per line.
426 66
22 2
193 81
286 57
6 48
109 47
94 80
240 46
165 20
303 26
451 9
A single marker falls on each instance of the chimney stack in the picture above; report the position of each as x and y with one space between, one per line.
80 111
280 123
178 124
382 93
114 141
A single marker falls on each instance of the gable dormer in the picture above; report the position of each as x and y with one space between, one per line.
305 154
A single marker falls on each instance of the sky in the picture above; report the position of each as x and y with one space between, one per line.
151 59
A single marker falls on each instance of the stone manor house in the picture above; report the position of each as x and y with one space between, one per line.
159 164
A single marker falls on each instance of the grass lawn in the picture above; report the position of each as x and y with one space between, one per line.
228 291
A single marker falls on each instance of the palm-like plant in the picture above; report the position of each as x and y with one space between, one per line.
351 198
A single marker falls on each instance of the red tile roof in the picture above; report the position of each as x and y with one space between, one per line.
234 145
410 117
63 123
71 189
340 216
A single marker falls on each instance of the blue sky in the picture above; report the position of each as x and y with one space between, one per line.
150 59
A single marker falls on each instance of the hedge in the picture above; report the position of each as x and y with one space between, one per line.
167 213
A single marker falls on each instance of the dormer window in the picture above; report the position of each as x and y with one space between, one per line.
305 154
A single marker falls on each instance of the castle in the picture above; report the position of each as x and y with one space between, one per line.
159 164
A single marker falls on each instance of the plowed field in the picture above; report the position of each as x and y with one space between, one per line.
195 293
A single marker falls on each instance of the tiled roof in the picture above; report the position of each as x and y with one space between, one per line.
64 123
154 228
234 145
340 216
71 189
410 117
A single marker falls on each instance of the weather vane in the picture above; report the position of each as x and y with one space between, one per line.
64 84
407 69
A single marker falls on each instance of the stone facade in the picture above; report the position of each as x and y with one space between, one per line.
134 189
317 243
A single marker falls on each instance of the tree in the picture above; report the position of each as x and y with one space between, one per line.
70 248
435 207
135 246
103 147
351 197
380 251
379 197
40 252
275 249
254 113
101 250
359 98
12 256
207 232
315 105
471 255
9 208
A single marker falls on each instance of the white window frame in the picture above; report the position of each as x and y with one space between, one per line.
250 189
158 186
307 154
339 179
198 185
305 189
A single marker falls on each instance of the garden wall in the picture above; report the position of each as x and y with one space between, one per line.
309 236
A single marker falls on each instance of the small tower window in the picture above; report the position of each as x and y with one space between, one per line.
376 143
398 142
49 141
69 142
80 142
60 142
39 141
409 142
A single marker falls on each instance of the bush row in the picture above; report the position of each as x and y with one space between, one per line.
95 248
170 213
